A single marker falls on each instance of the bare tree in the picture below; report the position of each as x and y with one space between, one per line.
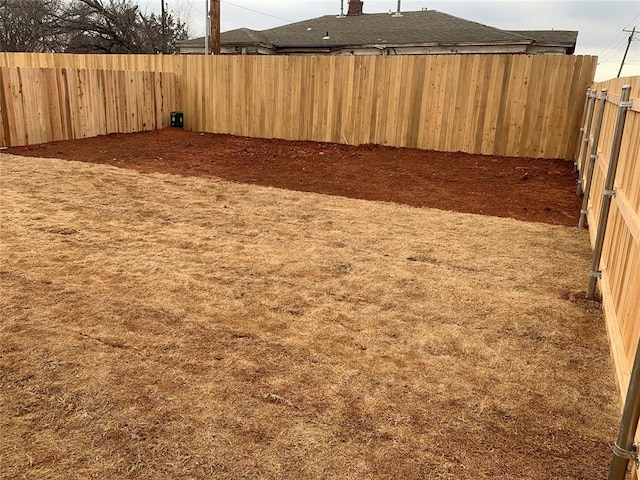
86 26
118 26
30 26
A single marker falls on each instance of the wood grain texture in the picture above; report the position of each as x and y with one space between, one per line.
47 104
520 105
620 261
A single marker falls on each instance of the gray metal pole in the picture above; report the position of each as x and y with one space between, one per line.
207 30
592 158
587 139
624 449
576 154
609 192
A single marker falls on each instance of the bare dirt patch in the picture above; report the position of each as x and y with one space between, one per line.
525 189
157 326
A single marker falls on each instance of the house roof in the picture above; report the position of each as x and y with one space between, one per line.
427 27
243 36
424 27
556 38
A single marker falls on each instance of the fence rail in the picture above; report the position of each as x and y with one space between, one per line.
40 105
620 260
511 105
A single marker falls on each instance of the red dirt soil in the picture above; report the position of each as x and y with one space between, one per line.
536 190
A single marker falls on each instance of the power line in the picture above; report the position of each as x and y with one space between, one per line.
195 8
621 32
632 20
613 45
613 53
617 49
258 12
198 10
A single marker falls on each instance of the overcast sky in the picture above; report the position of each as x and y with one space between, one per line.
600 23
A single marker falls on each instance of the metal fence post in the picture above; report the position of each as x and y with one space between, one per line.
592 158
624 448
587 139
609 192
576 154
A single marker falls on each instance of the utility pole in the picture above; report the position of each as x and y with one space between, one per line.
214 24
633 31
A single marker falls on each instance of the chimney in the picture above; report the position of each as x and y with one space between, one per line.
355 7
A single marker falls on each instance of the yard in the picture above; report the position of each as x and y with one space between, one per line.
522 188
157 325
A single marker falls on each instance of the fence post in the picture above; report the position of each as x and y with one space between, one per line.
587 139
624 448
609 192
592 158
576 154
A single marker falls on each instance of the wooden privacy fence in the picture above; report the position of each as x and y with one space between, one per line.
46 104
135 63
512 105
620 260
489 104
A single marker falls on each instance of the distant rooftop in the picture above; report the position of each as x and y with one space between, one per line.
424 28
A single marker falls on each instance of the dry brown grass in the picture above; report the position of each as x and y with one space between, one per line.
163 327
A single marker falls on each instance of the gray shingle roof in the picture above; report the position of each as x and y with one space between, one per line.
556 38
425 27
428 27
242 36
